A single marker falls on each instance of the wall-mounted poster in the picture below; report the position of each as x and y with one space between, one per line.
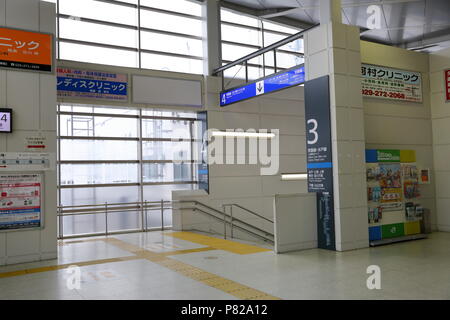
88 84
424 177
410 181
20 201
26 50
391 188
390 175
389 83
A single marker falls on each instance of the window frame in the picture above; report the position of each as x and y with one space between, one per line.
137 28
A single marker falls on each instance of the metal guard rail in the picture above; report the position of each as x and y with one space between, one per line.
261 51
145 206
228 216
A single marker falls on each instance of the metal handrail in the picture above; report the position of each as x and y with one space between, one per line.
238 227
261 51
248 210
162 205
228 216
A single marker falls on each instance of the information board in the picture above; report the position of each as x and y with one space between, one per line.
389 83
318 135
319 157
20 201
26 50
76 83
27 161
272 83
5 120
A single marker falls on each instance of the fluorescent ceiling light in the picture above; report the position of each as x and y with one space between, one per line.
243 134
294 176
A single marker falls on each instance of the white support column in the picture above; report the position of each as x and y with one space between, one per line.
32 96
333 49
212 36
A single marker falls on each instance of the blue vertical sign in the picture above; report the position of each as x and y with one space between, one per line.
275 82
202 166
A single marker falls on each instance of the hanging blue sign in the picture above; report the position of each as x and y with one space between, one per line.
275 82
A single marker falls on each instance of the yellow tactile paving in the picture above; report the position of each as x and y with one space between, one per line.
221 244
63 266
231 287
162 258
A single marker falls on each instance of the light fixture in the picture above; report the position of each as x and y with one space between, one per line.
243 134
294 176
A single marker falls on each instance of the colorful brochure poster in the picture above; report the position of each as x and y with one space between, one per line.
390 175
389 83
20 201
410 181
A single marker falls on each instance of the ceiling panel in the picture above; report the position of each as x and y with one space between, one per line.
402 21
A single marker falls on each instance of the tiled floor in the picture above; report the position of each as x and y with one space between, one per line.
156 265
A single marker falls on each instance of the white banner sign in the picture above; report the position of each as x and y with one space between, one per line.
388 83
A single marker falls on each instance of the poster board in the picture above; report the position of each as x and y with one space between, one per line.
21 201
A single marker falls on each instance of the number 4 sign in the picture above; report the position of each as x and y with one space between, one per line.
5 120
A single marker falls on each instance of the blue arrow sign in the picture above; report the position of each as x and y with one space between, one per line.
274 82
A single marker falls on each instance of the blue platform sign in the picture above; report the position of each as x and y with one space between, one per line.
272 83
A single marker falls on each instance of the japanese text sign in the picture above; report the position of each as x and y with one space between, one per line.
26 50
388 83
88 84
318 135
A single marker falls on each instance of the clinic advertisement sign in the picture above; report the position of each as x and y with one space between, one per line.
26 50
20 201
319 157
88 84
389 83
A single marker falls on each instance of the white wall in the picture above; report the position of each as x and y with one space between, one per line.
32 96
244 184
440 114
401 125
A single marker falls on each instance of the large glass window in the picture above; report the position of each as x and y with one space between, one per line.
119 155
243 34
151 34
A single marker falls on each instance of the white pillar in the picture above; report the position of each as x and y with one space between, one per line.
212 36
333 49
32 96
